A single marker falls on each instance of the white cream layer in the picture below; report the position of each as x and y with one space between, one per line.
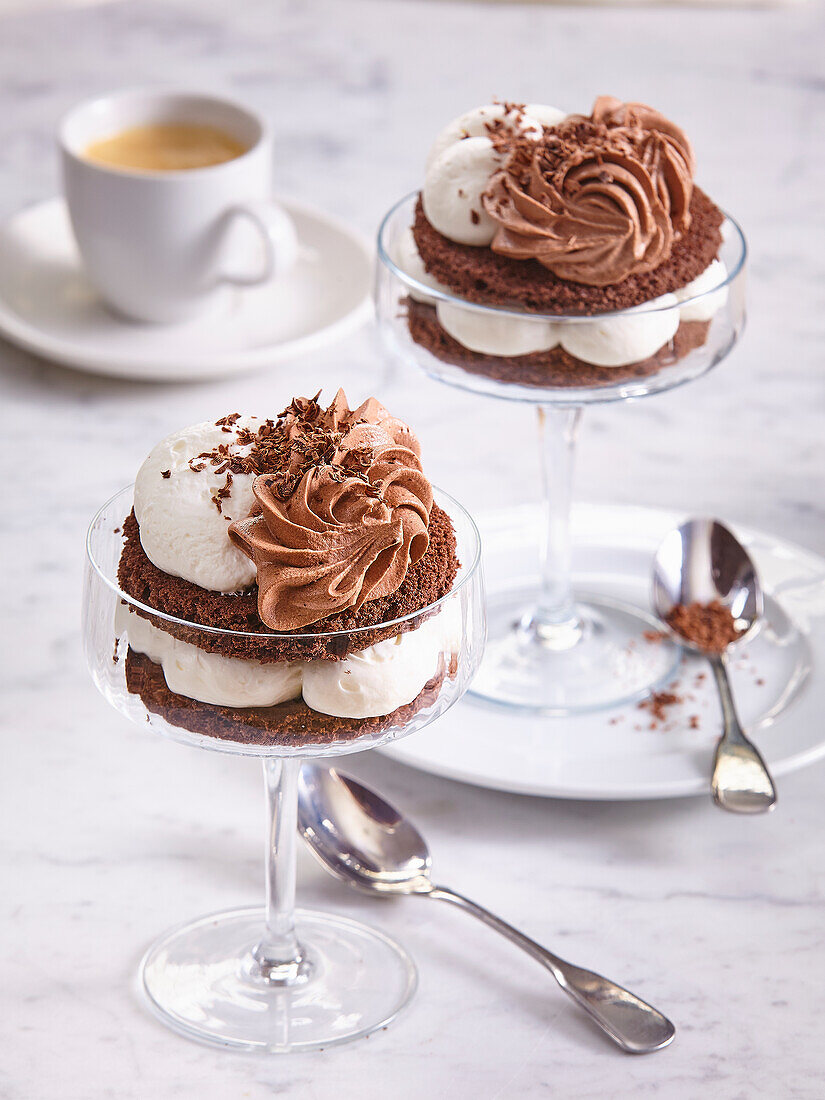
367 684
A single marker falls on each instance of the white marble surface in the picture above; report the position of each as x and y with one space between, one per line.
109 837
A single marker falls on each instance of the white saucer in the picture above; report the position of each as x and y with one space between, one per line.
48 307
614 754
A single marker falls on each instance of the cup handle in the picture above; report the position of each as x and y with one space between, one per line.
277 234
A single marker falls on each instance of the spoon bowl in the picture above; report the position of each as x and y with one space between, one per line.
700 562
358 836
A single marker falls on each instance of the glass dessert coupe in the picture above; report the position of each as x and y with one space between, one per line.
274 979
553 650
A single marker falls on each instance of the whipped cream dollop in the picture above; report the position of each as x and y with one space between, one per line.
627 337
464 158
491 333
367 684
342 519
183 531
379 679
209 677
598 198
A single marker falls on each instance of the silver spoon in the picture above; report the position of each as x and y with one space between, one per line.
699 562
365 842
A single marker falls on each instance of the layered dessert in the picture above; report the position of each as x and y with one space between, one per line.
279 555
528 210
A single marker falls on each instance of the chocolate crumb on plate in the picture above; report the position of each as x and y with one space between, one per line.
658 704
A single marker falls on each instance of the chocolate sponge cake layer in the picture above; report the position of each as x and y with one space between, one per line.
555 367
427 581
481 275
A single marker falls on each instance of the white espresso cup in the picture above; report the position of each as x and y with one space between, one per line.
160 245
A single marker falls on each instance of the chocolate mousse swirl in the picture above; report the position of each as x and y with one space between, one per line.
354 524
596 199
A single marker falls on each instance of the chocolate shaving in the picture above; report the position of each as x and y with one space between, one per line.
305 436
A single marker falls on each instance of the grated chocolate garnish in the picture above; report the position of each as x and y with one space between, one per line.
305 436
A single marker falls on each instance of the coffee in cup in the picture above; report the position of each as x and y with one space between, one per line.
165 147
160 186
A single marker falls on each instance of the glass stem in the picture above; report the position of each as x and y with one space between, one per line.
278 957
554 622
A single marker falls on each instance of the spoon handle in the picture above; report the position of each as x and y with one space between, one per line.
741 781
637 1027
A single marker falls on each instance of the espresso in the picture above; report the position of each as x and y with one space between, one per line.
166 147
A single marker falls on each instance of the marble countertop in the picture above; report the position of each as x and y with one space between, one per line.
109 837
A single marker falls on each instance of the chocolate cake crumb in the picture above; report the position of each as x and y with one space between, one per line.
481 275
292 723
658 703
693 722
555 367
655 637
165 474
710 626
428 580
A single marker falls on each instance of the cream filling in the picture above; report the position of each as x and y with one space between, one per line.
367 684
494 333
630 337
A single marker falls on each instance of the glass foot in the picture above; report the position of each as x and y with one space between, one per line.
602 660
202 981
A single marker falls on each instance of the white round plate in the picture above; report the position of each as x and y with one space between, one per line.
623 753
48 307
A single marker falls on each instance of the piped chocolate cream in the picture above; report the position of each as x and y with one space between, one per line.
597 198
342 518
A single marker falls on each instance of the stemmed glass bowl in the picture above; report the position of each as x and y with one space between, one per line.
552 650
273 978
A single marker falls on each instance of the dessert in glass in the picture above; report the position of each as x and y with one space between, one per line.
562 260
283 588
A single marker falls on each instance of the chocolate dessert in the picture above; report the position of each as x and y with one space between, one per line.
543 214
285 550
